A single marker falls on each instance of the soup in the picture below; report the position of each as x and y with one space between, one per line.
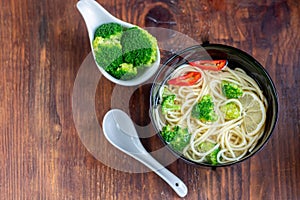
211 113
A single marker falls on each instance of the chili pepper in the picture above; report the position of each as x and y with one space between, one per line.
214 65
188 79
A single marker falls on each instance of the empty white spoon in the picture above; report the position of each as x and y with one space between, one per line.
95 15
119 130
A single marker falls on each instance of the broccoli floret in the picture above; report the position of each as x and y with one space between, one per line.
124 72
108 30
231 90
139 47
168 104
204 110
231 110
107 47
168 133
212 157
181 139
108 54
177 137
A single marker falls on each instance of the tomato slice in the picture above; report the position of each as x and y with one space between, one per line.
188 79
214 65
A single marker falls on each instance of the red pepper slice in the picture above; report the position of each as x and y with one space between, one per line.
188 79
214 65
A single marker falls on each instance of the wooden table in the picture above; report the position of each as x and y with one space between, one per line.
43 153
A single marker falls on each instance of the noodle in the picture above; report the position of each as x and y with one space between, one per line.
231 136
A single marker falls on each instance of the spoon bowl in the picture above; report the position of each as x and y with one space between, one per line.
95 15
119 130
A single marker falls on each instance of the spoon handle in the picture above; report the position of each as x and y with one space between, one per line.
94 15
176 184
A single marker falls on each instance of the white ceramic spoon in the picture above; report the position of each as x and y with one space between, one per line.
94 15
119 130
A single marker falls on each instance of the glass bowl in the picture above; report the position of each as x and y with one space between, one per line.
235 58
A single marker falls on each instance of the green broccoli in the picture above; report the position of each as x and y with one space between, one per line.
107 47
112 56
168 133
124 72
231 110
204 110
212 157
168 104
139 47
108 54
231 90
181 139
177 137
108 30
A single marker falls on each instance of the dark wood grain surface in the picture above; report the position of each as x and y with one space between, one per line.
43 46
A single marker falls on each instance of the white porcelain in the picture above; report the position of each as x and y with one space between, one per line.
119 130
94 15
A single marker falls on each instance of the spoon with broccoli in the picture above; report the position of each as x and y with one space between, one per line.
124 53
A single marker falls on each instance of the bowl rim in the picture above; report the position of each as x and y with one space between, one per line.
217 47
